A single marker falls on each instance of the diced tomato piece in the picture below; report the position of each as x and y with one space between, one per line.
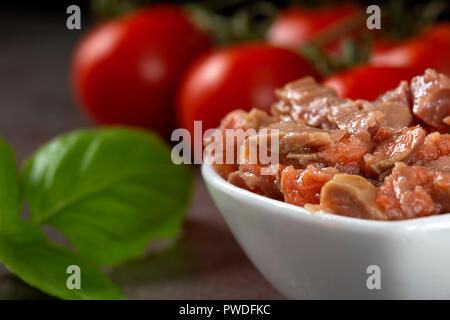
303 186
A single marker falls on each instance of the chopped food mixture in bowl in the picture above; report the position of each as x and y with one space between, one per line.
387 159
333 218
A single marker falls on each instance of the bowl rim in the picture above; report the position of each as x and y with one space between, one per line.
291 211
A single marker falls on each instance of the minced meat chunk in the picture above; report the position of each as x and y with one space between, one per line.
250 177
400 147
237 119
431 93
306 101
350 195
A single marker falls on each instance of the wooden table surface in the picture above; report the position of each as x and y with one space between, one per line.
205 262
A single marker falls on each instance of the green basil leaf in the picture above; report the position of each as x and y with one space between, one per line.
25 251
43 265
109 191
10 197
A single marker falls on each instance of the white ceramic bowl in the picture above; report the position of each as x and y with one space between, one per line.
324 256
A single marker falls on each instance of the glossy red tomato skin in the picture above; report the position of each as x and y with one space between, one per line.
295 26
368 82
242 76
430 49
126 71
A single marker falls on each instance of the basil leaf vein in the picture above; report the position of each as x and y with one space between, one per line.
109 191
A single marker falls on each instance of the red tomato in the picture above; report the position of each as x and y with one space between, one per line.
296 26
368 82
439 32
126 71
428 50
241 76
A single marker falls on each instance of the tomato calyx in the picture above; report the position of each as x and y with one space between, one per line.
351 52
